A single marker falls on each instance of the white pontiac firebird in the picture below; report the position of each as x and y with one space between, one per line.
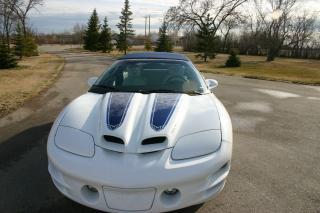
149 136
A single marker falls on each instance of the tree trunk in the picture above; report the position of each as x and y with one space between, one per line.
272 53
205 56
8 38
270 57
7 31
24 28
225 40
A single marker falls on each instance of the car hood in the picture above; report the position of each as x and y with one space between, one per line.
122 121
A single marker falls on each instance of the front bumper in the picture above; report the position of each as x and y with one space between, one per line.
117 175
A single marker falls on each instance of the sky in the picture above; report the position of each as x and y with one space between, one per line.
61 15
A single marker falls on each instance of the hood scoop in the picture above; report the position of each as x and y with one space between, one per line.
112 139
148 145
144 123
112 143
155 140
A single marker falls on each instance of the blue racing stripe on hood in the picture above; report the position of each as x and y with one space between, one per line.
163 108
117 109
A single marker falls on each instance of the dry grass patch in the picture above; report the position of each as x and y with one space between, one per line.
301 71
288 70
33 75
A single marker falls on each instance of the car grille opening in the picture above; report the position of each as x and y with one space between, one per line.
156 140
113 139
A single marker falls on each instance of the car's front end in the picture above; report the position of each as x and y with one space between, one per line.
142 152
153 182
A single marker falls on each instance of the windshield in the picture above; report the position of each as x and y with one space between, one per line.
150 76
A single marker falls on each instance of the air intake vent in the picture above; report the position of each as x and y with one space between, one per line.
113 139
156 140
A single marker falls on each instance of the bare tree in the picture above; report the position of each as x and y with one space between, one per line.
22 9
78 32
301 32
205 16
7 19
189 40
252 38
275 16
232 22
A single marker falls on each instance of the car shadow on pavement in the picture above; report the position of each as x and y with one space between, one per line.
25 184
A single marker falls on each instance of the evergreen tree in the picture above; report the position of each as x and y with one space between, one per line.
147 44
233 60
7 60
125 28
206 40
164 43
25 45
30 46
19 42
91 37
105 37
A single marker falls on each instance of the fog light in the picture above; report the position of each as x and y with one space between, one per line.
92 189
170 197
171 191
90 194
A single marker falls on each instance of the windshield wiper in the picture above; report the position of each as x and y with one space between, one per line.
114 89
194 92
168 91
109 88
159 91
101 89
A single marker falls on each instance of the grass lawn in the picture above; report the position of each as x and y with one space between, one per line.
32 76
300 71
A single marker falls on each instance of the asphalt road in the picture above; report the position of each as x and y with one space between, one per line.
276 162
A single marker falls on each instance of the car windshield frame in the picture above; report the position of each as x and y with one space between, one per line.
188 73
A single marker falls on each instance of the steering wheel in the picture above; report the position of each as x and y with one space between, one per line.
175 78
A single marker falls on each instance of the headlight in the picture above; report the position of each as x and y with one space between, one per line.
196 145
74 141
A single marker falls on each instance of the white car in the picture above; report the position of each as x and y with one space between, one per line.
149 136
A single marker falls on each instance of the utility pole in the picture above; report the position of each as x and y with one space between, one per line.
145 26
148 45
149 23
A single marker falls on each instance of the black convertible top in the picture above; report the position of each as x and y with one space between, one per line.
155 55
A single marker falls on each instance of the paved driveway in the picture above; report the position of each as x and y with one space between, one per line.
276 163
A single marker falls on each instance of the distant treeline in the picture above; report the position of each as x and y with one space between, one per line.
262 27
271 28
247 44
99 37
76 38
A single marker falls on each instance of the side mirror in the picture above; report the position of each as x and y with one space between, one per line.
92 80
212 84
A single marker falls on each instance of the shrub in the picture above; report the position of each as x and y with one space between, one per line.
233 60
7 60
147 44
